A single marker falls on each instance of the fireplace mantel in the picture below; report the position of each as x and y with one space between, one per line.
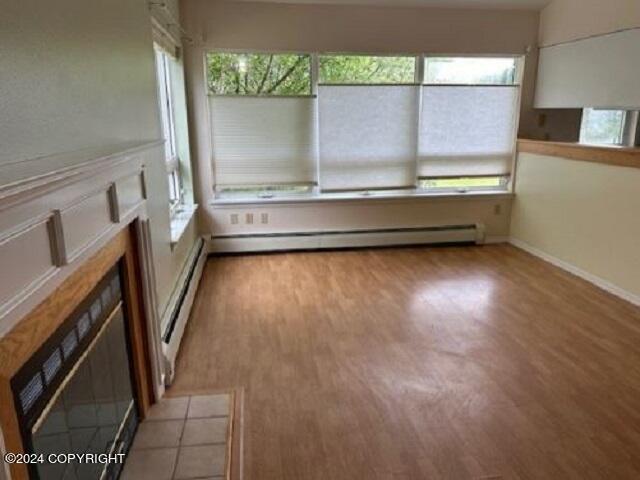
62 219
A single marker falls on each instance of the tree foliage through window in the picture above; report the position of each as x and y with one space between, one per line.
290 74
259 74
366 69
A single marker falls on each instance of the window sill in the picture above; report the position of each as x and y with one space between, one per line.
180 221
373 196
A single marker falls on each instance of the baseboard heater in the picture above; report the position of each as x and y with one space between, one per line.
180 307
470 233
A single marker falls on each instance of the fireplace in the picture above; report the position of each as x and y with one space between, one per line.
75 394
75 373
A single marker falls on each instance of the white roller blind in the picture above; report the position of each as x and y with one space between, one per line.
467 130
263 140
368 136
595 72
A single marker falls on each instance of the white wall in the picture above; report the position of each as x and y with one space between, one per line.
215 24
582 213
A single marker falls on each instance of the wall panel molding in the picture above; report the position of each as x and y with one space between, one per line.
52 220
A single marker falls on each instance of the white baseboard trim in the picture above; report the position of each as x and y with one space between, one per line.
493 239
349 239
180 307
589 277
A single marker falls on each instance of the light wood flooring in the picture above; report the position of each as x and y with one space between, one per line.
418 363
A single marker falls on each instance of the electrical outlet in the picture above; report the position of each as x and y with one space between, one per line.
248 218
264 218
497 209
233 219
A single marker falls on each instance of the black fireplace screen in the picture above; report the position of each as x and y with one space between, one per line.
76 394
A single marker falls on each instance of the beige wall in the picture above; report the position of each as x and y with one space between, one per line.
584 214
492 211
566 20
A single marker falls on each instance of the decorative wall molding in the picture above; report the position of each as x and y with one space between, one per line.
37 176
53 216
589 277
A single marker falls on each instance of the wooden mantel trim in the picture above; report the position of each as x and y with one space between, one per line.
617 156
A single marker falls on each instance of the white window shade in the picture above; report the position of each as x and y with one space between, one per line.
263 140
368 136
467 130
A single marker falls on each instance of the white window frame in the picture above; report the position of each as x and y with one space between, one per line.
165 97
629 130
420 70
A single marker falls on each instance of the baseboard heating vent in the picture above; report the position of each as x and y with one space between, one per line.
469 233
180 307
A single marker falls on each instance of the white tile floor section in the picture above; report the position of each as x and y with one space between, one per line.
182 438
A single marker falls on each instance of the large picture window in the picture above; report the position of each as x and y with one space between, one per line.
302 123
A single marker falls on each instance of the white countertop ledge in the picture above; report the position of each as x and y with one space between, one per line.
349 197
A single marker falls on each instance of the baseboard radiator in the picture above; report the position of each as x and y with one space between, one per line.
469 233
180 307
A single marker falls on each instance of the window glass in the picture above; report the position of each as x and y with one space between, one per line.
366 69
602 126
259 74
471 183
470 70
166 104
163 74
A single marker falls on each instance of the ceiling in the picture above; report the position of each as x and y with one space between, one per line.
484 4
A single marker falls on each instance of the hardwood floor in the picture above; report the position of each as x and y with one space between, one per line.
419 363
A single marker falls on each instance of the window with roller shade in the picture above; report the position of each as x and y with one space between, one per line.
263 122
368 117
372 123
468 122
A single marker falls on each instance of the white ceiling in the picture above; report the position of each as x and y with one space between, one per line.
485 4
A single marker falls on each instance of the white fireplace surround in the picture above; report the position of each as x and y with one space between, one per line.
58 211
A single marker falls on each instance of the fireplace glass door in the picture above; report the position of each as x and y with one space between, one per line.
91 407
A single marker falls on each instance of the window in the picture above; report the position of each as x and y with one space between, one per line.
293 124
163 73
464 184
470 71
259 74
468 122
608 127
368 113
367 69
263 113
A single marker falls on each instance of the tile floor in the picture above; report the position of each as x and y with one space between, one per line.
182 438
